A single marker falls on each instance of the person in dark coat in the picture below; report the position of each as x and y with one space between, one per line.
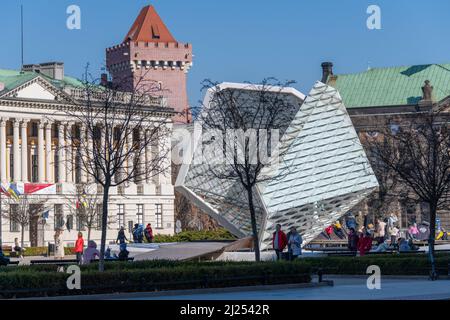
352 240
121 238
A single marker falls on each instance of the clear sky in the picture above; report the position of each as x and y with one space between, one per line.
237 40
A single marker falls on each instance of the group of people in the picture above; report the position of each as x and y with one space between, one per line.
385 233
292 240
138 233
91 253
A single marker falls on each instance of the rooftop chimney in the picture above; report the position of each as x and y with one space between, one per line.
327 70
54 70
104 80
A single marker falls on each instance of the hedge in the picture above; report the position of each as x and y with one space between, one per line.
389 265
41 251
23 283
187 236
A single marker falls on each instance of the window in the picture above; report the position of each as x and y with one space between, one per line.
121 215
69 223
34 168
59 216
140 213
159 216
80 223
78 168
13 225
34 129
56 159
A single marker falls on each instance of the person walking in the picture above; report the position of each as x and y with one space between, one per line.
413 231
295 242
337 227
121 238
393 232
352 240
17 248
148 232
328 232
59 245
364 243
79 247
279 241
380 231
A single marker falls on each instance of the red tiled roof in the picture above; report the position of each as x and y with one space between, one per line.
148 27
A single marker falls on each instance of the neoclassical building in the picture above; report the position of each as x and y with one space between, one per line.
36 154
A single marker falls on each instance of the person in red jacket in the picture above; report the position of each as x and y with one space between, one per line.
79 246
364 243
279 241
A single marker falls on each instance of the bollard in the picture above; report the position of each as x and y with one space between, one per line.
320 274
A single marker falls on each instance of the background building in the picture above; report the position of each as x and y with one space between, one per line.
387 97
35 151
149 54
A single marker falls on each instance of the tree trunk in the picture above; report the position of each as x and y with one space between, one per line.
101 266
89 234
22 236
254 227
431 240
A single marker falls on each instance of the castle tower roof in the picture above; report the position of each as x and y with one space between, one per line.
148 27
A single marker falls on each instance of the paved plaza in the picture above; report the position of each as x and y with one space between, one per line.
345 288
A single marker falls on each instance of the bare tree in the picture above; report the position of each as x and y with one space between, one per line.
418 151
25 210
251 115
86 205
115 130
388 185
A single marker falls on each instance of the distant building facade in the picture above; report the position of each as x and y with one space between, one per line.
38 156
388 96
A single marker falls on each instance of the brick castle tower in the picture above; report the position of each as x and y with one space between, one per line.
149 53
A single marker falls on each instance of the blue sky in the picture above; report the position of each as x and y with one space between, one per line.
237 40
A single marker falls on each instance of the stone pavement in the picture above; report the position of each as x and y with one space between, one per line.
345 288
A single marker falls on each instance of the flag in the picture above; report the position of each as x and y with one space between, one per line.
11 190
14 191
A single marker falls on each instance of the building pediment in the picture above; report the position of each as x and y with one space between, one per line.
37 89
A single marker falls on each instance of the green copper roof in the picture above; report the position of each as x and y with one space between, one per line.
391 86
13 79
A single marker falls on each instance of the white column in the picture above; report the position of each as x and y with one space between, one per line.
24 149
41 155
62 152
90 152
48 152
3 150
16 151
165 172
82 146
130 159
69 144
141 161
148 159
8 160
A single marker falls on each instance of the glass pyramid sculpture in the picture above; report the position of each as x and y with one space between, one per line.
322 174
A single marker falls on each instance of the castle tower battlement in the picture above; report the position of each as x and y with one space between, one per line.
150 52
